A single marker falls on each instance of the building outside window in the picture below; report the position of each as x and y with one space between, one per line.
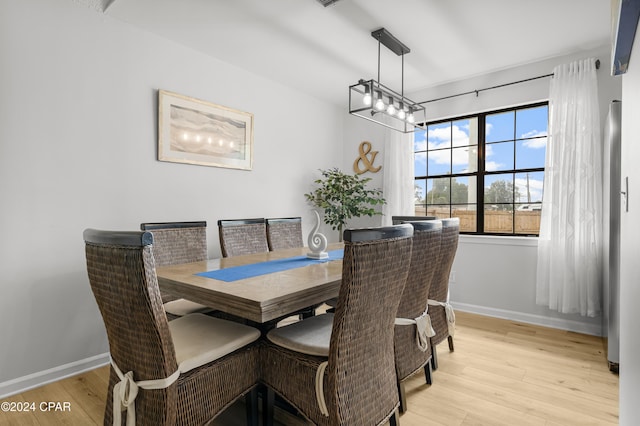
487 169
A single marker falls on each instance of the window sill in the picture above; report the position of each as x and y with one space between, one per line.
498 240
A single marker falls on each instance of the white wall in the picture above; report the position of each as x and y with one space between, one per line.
78 149
630 245
78 136
496 275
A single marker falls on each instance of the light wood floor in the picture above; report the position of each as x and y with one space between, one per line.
501 373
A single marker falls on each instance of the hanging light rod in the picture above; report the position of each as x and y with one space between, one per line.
392 43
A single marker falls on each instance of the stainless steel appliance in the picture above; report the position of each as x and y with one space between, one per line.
611 226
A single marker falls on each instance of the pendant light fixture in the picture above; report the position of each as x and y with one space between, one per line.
373 101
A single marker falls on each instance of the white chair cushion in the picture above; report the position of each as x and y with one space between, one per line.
199 339
310 336
182 307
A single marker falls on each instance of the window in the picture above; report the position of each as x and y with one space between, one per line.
486 169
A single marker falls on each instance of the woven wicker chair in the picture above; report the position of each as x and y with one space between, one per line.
242 236
396 220
413 355
442 321
405 219
173 243
199 364
350 352
284 233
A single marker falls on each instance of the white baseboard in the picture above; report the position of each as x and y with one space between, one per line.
40 378
559 323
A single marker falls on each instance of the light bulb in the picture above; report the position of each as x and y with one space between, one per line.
391 110
366 99
410 117
379 102
401 113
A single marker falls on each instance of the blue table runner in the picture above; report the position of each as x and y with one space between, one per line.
236 273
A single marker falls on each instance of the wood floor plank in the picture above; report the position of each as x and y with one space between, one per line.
553 399
17 418
65 411
591 389
501 373
438 407
514 406
91 389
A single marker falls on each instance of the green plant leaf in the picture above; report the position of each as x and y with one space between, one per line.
344 196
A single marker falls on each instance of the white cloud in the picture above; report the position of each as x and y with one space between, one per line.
439 138
535 189
487 128
442 137
420 144
535 143
440 157
491 165
539 142
533 134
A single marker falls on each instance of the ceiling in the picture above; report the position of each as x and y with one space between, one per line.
322 50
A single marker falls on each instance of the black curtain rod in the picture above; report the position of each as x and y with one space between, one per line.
495 87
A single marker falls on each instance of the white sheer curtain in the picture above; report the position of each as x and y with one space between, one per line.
570 242
398 180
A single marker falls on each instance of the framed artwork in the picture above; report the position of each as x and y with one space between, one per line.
193 131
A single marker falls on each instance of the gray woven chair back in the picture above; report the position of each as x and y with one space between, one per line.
425 258
402 219
123 279
284 233
178 242
361 374
440 285
448 248
242 236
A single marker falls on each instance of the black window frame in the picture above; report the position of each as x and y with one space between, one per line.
481 172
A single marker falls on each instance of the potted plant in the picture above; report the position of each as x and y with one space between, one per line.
344 196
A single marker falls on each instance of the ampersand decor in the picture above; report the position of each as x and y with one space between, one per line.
366 159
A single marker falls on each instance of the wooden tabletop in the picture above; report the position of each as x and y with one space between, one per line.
262 298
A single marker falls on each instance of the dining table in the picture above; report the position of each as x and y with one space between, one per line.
261 287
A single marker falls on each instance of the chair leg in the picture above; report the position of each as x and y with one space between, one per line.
394 420
427 373
450 339
434 358
402 394
251 403
268 402
308 313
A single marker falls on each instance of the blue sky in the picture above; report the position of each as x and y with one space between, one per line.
518 136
